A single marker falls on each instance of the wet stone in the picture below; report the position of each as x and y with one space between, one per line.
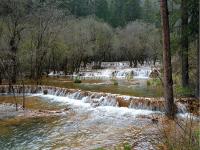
45 92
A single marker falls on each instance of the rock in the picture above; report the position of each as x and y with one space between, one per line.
154 120
122 102
45 92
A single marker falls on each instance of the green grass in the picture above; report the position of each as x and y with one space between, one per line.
115 82
181 91
125 146
154 82
89 85
77 80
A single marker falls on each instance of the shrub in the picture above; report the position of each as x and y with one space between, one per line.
154 82
115 82
181 135
77 80
127 146
176 79
148 82
181 91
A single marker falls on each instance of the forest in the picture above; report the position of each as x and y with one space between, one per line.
99 52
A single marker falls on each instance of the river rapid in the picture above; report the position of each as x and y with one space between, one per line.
82 120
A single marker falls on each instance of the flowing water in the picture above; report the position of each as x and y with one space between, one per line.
119 73
82 127
130 81
89 120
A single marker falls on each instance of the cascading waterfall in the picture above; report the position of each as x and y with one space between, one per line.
120 73
142 72
95 99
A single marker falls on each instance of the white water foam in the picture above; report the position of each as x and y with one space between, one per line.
106 110
136 73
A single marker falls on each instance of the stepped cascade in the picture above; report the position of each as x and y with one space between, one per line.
131 73
96 99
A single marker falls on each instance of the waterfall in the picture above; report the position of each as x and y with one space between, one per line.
182 108
96 99
142 72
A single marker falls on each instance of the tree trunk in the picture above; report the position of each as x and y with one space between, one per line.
154 60
135 63
23 101
168 82
65 66
1 77
131 64
184 44
198 70
31 67
14 69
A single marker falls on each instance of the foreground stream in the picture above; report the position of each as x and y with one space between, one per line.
81 122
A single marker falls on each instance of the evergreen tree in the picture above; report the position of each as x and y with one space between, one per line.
101 9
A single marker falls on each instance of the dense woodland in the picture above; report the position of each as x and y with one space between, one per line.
38 36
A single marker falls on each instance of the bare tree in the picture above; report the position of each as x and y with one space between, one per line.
137 42
46 22
15 15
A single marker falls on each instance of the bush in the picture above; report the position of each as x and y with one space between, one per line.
176 79
127 146
154 82
77 80
148 82
181 91
115 82
181 135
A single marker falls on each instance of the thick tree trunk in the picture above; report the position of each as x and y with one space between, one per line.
184 44
168 82
198 70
